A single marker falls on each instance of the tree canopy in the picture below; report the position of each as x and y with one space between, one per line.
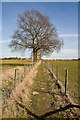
36 32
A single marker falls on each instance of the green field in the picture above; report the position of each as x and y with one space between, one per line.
72 67
7 69
16 61
8 64
44 96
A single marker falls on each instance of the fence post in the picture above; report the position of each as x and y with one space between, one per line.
15 79
57 72
52 68
66 80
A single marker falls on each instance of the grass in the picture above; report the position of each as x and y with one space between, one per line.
8 77
8 74
44 101
9 64
4 68
16 61
20 94
41 103
72 67
48 96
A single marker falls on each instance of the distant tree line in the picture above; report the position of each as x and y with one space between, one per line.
16 58
13 58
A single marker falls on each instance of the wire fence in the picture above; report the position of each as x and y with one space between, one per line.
20 73
63 80
13 77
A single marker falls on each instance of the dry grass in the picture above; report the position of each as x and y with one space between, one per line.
72 67
16 61
20 94
8 80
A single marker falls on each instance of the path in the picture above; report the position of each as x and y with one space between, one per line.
47 96
39 93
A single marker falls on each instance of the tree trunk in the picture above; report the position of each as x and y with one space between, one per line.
34 55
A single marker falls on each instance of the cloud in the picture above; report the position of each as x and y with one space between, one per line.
4 41
68 53
69 35
63 54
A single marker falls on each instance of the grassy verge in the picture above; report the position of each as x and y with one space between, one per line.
8 73
45 96
42 101
10 80
21 94
72 67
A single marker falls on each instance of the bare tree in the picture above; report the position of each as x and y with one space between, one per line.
36 32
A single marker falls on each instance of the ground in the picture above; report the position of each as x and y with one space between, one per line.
39 93
46 96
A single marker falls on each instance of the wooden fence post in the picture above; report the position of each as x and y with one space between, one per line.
66 80
52 68
57 72
15 79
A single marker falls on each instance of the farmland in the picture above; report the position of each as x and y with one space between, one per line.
7 68
8 64
21 91
43 93
70 65
15 61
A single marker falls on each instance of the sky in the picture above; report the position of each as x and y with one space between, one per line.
63 15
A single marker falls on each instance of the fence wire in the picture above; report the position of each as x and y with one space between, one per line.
55 70
12 78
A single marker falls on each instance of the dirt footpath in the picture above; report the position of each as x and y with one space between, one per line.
46 96
37 95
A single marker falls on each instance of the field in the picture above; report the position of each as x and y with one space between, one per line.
8 64
9 79
42 94
72 67
16 61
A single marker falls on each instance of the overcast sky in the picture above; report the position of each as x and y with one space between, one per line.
64 16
